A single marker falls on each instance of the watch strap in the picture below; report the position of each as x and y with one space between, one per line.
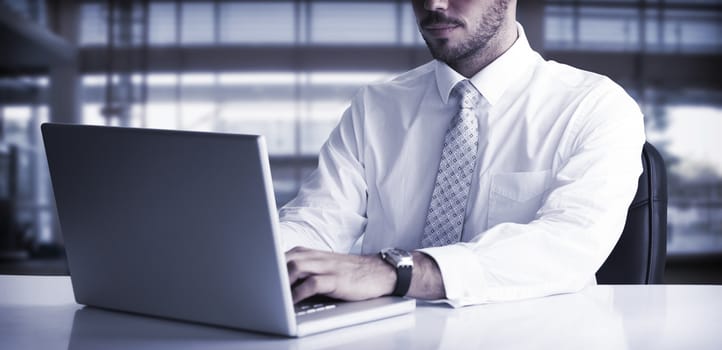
403 281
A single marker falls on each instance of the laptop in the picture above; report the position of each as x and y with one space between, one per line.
182 225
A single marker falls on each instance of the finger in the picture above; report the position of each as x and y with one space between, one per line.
296 253
302 268
313 285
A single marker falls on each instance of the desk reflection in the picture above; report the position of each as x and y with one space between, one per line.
556 322
609 317
592 317
101 329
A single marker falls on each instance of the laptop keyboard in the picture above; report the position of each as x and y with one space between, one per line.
309 308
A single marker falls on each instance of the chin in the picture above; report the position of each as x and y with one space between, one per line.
444 49
439 49
444 54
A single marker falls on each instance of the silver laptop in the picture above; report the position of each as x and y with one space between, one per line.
182 225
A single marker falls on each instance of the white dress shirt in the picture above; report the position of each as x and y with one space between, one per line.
558 165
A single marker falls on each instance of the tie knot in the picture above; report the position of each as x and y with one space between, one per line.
467 94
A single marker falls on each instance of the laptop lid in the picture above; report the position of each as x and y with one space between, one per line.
171 223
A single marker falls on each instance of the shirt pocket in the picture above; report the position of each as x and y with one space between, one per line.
516 197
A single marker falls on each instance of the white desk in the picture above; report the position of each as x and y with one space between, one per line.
40 313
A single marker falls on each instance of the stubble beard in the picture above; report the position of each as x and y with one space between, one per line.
479 39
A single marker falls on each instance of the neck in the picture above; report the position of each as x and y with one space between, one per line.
496 46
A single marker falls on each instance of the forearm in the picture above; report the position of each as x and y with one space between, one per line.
426 281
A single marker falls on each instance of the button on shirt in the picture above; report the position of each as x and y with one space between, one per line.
557 167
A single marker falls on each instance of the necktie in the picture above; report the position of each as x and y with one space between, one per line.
445 218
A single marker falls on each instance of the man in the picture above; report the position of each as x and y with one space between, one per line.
503 175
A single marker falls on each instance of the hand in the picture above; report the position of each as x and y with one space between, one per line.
341 276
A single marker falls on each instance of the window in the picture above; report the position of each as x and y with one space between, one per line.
192 23
627 26
197 23
162 24
251 22
353 23
20 134
94 26
689 139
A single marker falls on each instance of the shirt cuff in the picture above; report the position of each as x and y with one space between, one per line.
461 273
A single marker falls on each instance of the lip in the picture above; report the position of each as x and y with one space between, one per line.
440 30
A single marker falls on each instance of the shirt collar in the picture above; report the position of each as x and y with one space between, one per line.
496 77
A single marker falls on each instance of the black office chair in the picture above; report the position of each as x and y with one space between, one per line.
639 256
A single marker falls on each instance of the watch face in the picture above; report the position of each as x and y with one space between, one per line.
398 257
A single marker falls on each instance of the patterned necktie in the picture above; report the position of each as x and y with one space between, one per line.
445 218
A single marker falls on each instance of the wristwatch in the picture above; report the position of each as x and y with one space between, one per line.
402 261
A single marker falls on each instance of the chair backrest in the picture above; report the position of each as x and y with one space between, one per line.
639 256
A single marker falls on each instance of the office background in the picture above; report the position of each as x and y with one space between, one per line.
287 70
